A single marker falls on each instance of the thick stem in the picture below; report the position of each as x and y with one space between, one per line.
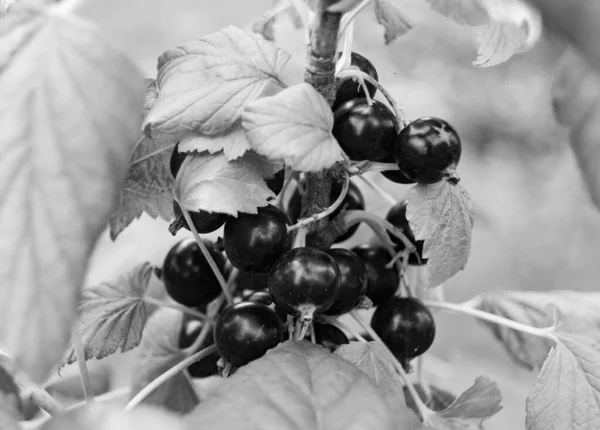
320 73
86 383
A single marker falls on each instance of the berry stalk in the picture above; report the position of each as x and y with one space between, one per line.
86 383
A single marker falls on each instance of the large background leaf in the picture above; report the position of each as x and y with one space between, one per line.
393 20
70 108
296 385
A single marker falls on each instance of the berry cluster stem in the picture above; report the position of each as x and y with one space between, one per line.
84 375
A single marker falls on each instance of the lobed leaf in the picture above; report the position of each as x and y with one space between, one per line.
148 186
158 352
441 214
215 184
70 115
394 22
112 315
436 399
463 12
232 142
296 385
205 84
294 126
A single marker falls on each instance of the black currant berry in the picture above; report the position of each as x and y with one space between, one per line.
304 282
187 275
246 331
382 283
275 184
354 200
254 242
177 159
205 222
349 89
428 150
190 330
249 281
405 325
365 131
397 217
396 175
328 336
353 281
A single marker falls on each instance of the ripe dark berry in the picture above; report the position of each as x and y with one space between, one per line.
382 283
304 282
353 281
397 217
349 89
406 326
254 242
205 222
190 330
329 336
188 278
427 150
177 159
365 131
396 175
249 281
246 331
354 200
275 184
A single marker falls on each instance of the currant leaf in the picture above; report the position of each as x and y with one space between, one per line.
463 12
566 393
214 184
296 385
150 95
372 359
580 313
441 214
232 142
205 84
392 19
10 400
69 128
478 403
437 399
148 187
294 125
158 352
100 416
112 315
576 91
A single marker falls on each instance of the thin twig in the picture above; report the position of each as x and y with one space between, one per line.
334 321
346 58
384 194
350 16
86 383
176 306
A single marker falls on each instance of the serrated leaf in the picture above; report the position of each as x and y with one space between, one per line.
205 84
158 352
392 19
580 313
232 142
148 187
463 12
98 416
372 359
566 394
576 91
435 399
150 95
441 214
68 130
296 385
214 184
10 400
112 315
295 126
264 25
478 403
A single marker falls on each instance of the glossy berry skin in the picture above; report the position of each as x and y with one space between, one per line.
365 132
397 217
382 283
205 222
427 149
254 242
177 159
396 175
246 331
249 281
354 200
349 89
329 336
187 276
406 326
190 330
275 184
304 282
353 281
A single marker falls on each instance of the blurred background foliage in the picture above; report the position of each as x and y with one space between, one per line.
535 226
